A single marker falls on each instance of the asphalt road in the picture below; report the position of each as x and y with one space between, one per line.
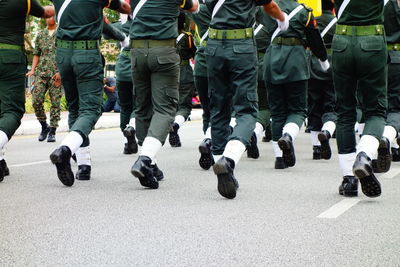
291 217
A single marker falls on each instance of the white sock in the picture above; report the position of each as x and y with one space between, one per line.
154 161
277 151
329 126
361 127
2 152
346 162
234 150
132 122
233 122
208 132
217 157
83 156
259 130
179 119
390 133
356 127
3 142
150 147
314 138
73 141
292 129
394 145
369 145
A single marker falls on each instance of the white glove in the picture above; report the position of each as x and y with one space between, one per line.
198 9
324 65
283 25
125 42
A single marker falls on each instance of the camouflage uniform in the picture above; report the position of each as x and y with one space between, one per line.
45 48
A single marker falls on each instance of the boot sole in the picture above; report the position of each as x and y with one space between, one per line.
253 152
144 181
384 158
65 175
287 153
174 140
370 186
206 159
226 186
352 193
132 144
326 151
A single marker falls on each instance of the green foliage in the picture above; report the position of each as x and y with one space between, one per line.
47 103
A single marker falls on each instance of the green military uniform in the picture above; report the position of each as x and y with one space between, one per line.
45 48
231 56
392 30
79 61
202 20
155 66
321 92
12 68
125 85
13 61
187 51
262 42
359 43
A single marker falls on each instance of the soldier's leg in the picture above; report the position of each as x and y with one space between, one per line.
38 96
314 113
12 98
55 94
61 156
264 114
329 118
393 116
184 108
278 108
126 102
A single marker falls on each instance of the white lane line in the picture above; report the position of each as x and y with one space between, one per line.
339 208
30 163
391 173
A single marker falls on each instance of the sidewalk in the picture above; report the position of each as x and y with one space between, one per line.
30 125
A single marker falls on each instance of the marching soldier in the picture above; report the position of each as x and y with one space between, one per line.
232 77
155 72
186 50
13 15
80 64
202 20
321 92
359 42
392 30
286 75
47 79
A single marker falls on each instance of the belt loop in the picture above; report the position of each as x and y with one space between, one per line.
224 34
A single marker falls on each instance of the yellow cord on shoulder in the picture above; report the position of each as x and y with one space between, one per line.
29 7
183 4
309 18
109 3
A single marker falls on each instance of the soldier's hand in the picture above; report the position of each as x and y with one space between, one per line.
283 25
324 65
57 79
30 73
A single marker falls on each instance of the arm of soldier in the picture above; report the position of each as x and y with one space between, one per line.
110 32
119 5
38 11
273 10
57 79
35 62
315 41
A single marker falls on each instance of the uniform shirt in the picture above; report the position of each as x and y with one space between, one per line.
82 19
235 14
45 48
263 39
13 19
157 19
123 70
361 12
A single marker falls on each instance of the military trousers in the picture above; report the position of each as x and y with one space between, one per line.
12 90
321 103
359 62
201 84
393 112
232 79
155 72
82 77
42 86
126 98
288 103
186 91
264 114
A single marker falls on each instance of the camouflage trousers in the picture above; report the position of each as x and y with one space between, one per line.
42 86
